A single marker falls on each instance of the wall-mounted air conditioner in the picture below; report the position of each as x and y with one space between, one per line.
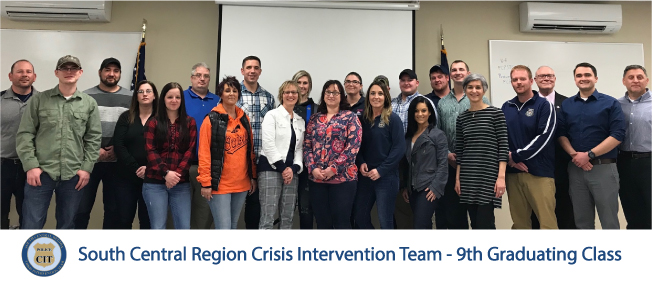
570 18
89 11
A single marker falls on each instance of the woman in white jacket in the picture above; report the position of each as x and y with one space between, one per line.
280 160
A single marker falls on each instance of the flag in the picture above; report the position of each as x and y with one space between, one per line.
139 66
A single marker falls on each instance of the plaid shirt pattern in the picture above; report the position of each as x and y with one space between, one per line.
169 155
256 105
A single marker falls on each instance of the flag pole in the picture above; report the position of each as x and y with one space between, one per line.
144 29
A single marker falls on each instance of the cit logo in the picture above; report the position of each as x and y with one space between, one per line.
44 254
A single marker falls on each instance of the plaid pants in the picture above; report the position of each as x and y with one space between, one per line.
272 190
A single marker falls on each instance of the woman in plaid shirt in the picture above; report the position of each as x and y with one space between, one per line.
170 140
332 142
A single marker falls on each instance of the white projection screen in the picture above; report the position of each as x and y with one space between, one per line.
328 43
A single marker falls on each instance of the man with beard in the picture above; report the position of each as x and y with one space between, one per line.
12 105
439 81
112 100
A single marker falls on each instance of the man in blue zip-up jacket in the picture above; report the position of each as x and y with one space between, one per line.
531 122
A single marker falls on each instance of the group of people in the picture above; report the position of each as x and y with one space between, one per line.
201 156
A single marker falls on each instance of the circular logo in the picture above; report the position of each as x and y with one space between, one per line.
44 254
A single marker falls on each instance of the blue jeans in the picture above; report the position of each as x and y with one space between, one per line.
333 204
226 208
158 197
37 201
422 209
383 192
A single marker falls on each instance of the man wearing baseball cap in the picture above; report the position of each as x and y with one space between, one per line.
112 100
439 81
58 142
408 84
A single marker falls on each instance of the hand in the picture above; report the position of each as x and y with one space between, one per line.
318 174
172 178
287 174
84 177
328 173
373 175
520 165
406 196
587 167
109 154
254 184
364 170
452 160
141 172
102 155
580 158
206 192
34 177
430 196
458 188
499 187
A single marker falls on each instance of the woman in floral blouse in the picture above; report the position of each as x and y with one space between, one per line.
331 145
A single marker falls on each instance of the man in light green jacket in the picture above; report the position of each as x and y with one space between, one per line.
58 142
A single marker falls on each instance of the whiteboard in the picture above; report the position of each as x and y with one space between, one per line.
44 48
609 59
328 43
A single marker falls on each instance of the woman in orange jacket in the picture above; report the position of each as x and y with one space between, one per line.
226 158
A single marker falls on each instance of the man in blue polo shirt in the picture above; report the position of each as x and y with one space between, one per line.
531 122
199 102
591 126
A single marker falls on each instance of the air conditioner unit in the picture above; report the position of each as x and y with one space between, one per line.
570 18
87 11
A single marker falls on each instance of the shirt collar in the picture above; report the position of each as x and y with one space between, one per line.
76 94
192 93
535 96
596 95
259 89
11 94
644 97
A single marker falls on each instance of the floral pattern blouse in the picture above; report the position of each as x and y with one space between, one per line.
333 144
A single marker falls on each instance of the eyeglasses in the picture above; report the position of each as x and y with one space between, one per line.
199 76
336 93
545 76
149 91
70 69
354 82
290 92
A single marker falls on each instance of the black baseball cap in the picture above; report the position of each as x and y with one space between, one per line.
108 61
437 67
409 72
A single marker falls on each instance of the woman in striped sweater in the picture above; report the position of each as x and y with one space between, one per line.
482 154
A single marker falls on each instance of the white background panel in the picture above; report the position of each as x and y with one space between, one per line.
44 48
328 43
610 60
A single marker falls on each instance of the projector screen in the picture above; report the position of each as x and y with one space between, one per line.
328 43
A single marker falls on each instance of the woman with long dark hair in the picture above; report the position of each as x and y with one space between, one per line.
383 147
170 140
128 143
331 145
424 166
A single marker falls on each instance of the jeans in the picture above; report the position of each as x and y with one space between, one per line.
383 192
37 202
422 209
158 197
129 198
226 209
13 183
106 173
332 204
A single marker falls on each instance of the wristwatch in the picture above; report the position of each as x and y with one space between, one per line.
591 155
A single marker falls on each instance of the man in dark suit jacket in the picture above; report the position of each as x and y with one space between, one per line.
545 79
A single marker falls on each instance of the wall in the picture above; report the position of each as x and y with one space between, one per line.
183 33
469 25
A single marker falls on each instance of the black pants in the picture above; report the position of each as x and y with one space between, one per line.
333 204
635 190
305 209
422 209
13 183
106 173
128 199
252 210
455 213
482 216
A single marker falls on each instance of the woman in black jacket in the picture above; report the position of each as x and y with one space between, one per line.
424 171
129 145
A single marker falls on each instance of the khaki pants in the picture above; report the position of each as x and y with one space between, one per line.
527 193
